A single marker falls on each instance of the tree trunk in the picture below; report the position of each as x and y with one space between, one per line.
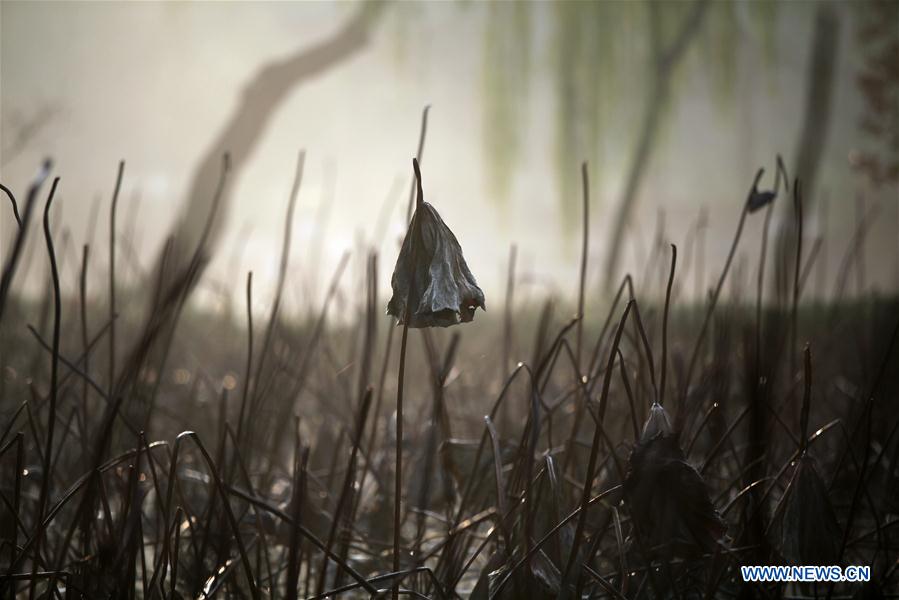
818 101
812 139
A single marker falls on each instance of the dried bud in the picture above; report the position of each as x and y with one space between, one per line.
758 200
657 424
431 275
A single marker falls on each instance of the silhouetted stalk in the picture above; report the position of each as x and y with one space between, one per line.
472 475
701 226
500 488
580 402
389 344
760 286
247 373
301 460
251 581
760 282
18 441
594 452
797 204
15 205
717 292
371 329
664 365
398 476
867 419
507 320
112 274
304 531
582 280
301 375
345 490
630 396
650 361
85 393
439 427
257 398
9 268
595 364
536 547
47 474
177 530
373 437
419 156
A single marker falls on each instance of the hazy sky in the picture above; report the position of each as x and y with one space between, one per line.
153 82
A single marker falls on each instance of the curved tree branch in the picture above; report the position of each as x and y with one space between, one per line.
243 130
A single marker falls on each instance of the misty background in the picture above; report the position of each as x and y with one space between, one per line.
520 94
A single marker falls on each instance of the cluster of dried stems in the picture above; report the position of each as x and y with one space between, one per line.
621 460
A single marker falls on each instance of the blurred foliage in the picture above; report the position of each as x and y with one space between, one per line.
592 51
507 52
602 57
878 80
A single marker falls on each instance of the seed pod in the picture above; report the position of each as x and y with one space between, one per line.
431 274
667 497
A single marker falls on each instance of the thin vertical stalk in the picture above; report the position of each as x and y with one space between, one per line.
398 477
85 392
248 373
585 244
717 292
346 489
797 203
507 323
664 365
282 277
9 267
419 156
47 475
594 452
112 306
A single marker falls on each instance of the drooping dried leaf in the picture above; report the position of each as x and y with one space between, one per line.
759 200
810 533
668 500
433 275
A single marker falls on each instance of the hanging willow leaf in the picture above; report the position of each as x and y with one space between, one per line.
667 497
431 274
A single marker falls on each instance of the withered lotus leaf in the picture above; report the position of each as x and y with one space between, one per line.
666 496
432 275
810 533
